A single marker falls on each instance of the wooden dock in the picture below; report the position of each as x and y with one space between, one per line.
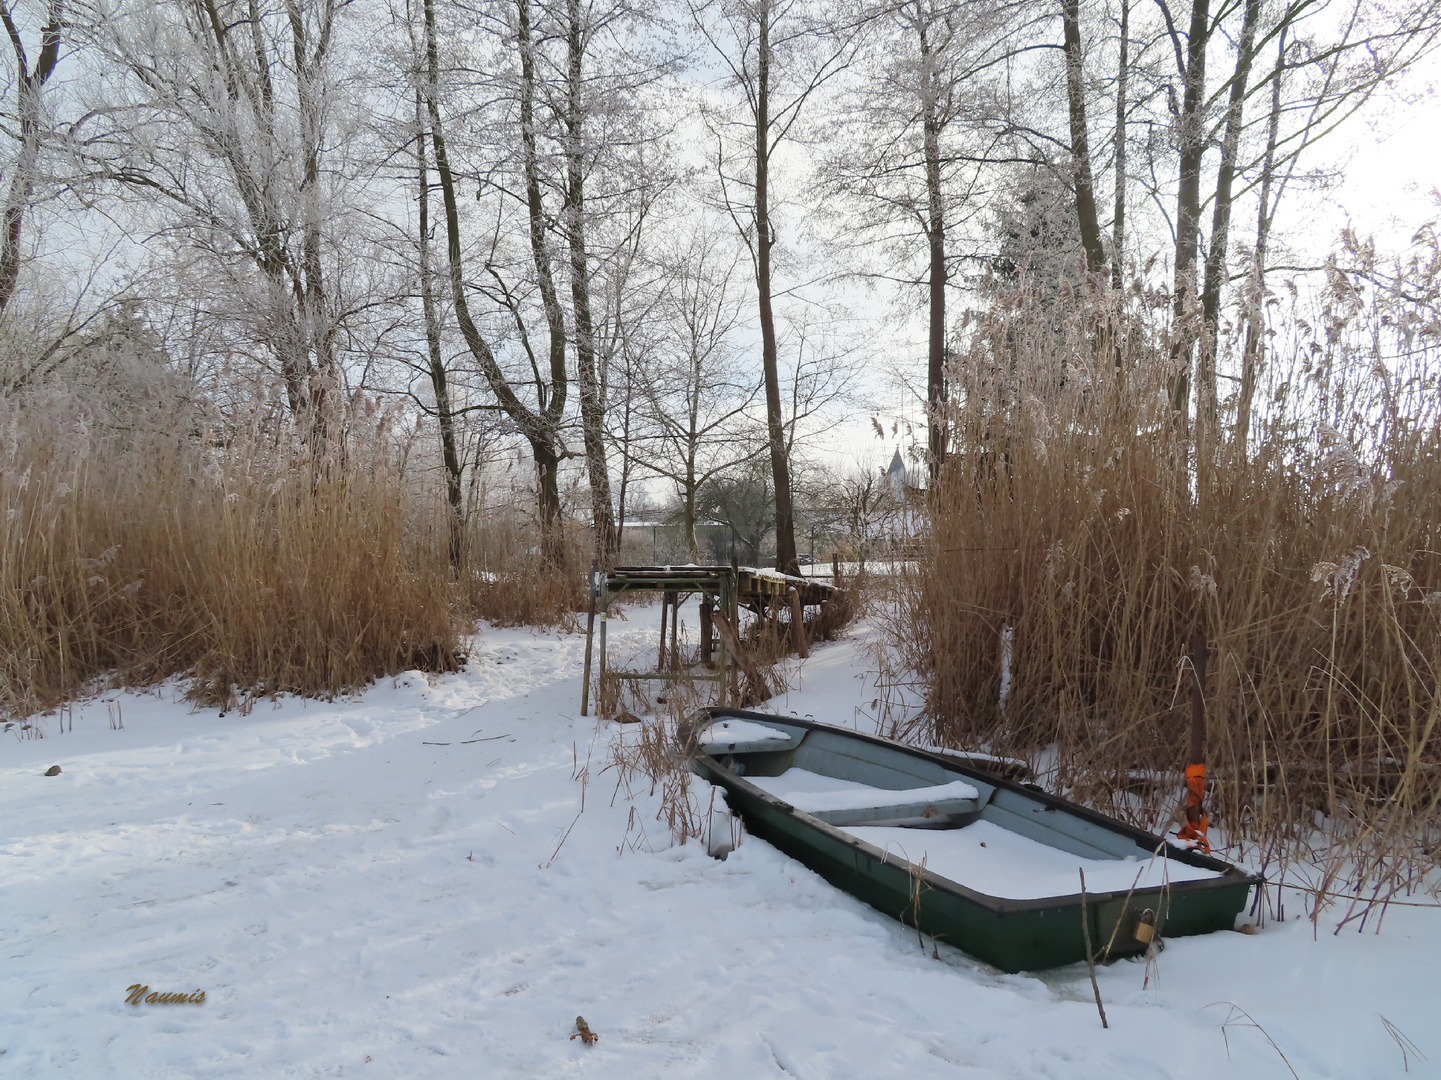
724 590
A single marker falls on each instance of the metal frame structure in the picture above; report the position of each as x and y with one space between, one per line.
722 588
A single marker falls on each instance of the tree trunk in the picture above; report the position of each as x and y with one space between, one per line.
547 474
1118 223
627 459
28 89
1080 140
692 542
554 407
1188 206
1256 303
439 377
936 238
537 428
1206 404
786 561
592 408
315 324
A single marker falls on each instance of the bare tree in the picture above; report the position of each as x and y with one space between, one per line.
610 183
1338 74
27 133
446 414
911 152
864 504
1118 143
538 425
695 398
228 108
1080 139
626 349
778 54
573 110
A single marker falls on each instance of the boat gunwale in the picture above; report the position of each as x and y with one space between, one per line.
1229 876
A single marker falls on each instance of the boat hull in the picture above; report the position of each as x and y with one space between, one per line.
1013 935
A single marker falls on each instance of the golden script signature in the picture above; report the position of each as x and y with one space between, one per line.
135 994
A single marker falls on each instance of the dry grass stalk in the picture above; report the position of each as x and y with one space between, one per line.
1403 1043
505 580
1231 1021
650 757
1090 956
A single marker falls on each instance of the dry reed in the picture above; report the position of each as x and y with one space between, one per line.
233 555
1078 517
525 590
651 746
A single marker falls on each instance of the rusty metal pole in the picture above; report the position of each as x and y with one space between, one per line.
589 641
1196 824
1199 655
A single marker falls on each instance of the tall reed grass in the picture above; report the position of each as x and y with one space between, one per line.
520 588
1078 517
135 552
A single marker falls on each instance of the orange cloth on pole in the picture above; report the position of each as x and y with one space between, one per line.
1196 824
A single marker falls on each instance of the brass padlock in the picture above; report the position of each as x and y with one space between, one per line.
1146 927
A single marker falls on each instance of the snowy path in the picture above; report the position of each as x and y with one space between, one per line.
356 902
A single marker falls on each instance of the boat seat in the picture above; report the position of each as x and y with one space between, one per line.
731 735
936 810
874 806
758 746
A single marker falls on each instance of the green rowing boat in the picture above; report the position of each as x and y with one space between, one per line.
950 846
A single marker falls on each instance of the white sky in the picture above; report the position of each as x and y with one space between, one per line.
1394 170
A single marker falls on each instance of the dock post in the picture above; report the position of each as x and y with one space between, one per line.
726 583
675 630
600 678
589 640
798 624
707 631
732 614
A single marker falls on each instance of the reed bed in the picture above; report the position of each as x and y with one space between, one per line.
1081 533
525 590
235 556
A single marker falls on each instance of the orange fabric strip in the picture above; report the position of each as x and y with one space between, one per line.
1196 825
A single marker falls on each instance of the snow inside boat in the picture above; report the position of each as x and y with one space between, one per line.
981 862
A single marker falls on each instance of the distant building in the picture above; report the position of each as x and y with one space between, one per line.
896 473
906 483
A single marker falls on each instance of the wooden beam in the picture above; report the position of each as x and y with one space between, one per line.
798 625
759 689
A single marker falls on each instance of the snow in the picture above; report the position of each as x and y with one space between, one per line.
362 889
977 755
995 861
731 730
812 792
766 572
982 856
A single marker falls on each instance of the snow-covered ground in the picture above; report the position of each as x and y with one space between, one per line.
432 879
